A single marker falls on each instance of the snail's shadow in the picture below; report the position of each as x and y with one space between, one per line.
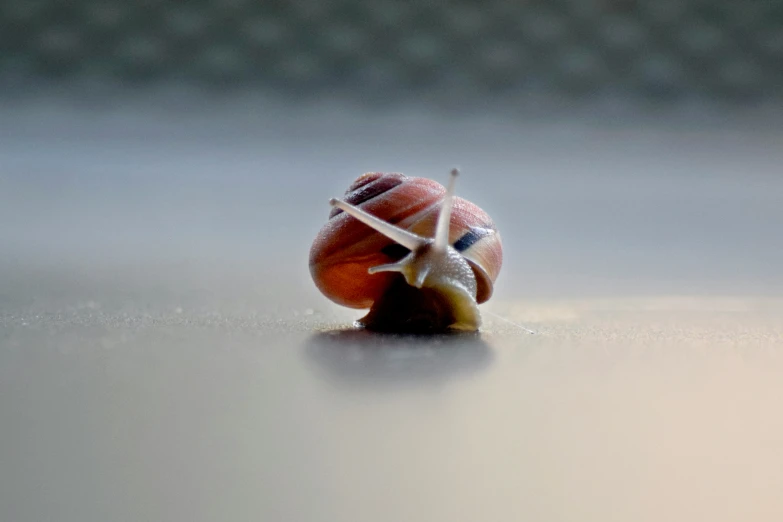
355 356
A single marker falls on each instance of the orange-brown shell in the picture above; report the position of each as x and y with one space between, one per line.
345 248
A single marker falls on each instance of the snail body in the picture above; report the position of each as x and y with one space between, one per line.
420 258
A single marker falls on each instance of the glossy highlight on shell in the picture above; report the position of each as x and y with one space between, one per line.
359 265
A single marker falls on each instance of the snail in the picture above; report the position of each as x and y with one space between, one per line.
420 258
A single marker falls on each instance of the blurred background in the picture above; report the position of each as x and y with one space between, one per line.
620 145
165 166
380 51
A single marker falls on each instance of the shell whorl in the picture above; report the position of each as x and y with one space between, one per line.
345 248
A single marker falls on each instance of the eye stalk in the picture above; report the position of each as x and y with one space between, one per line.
407 239
444 218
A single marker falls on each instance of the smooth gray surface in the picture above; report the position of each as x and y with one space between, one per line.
616 410
164 355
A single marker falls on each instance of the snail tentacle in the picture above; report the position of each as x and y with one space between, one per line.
391 267
421 275
407 239
444 217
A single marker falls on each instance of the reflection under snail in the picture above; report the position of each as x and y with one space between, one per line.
364 358
420 258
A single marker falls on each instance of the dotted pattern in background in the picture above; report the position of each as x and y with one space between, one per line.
662 49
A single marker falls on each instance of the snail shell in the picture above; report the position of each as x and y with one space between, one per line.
346 254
